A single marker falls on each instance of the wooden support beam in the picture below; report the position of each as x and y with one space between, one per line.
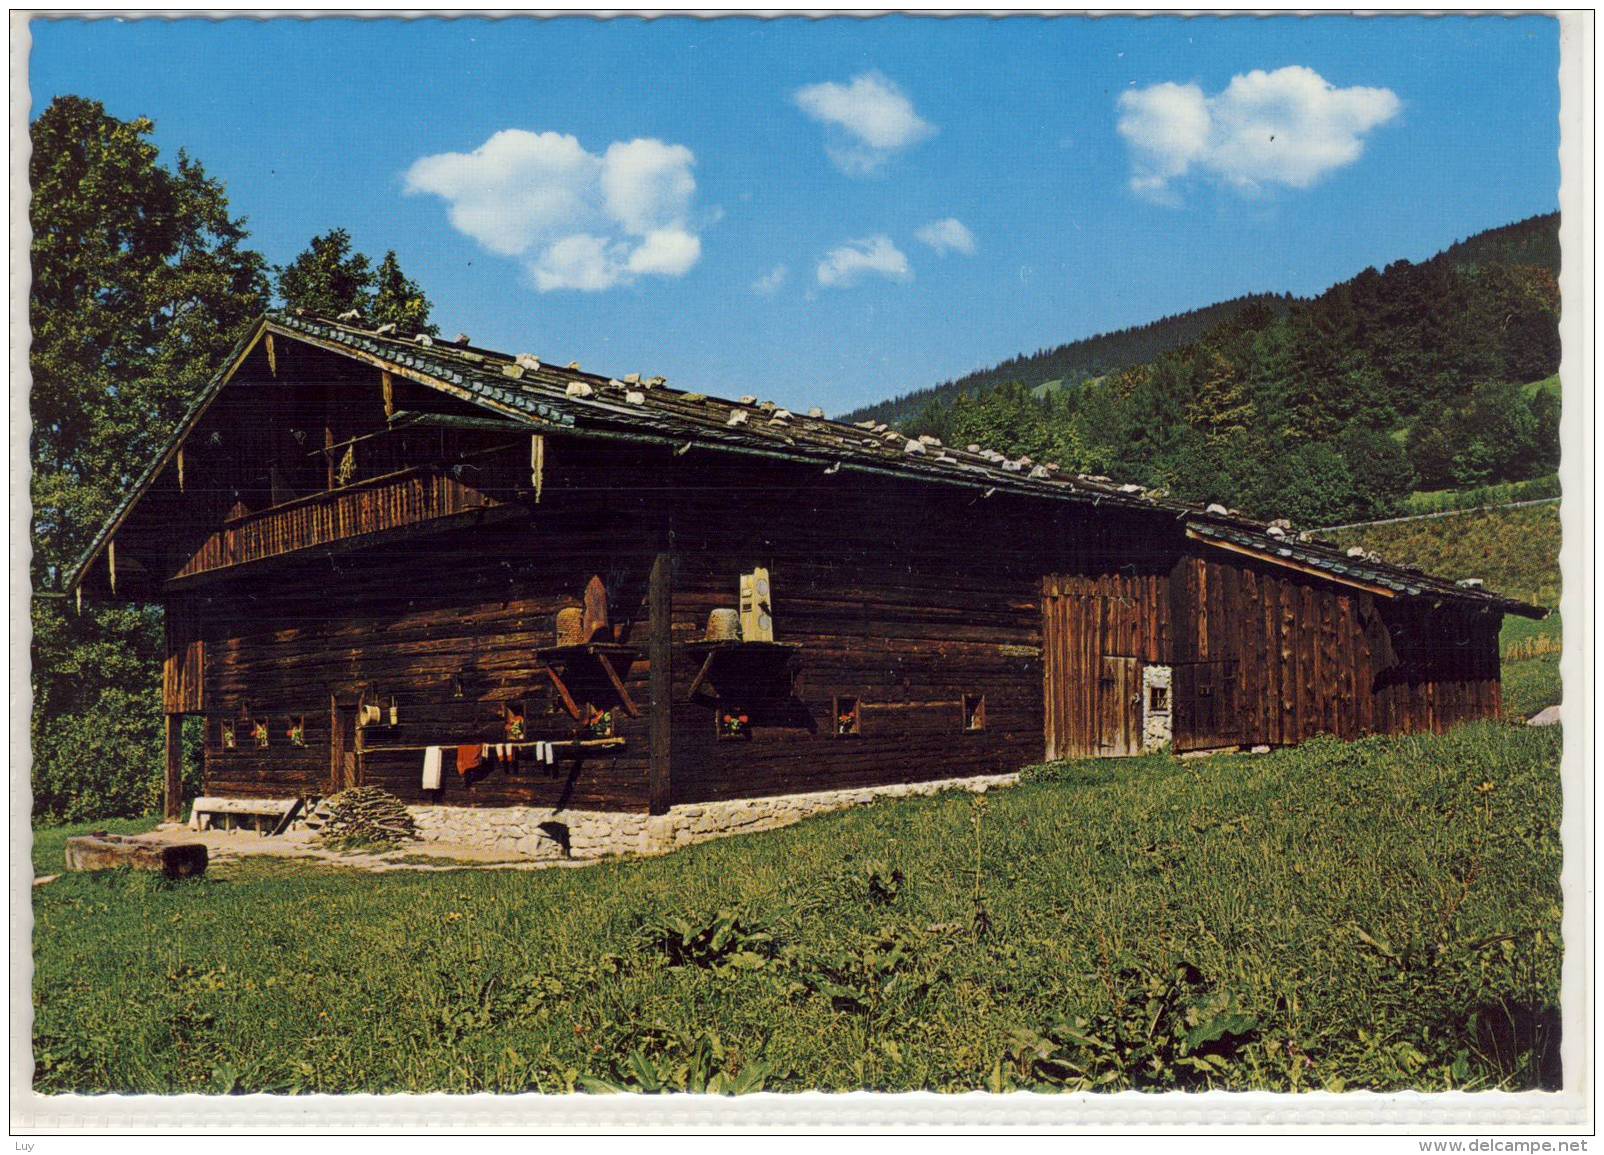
537 464
173 786
562 692
388 384
180 469
661 679
606 664
111 563
272 356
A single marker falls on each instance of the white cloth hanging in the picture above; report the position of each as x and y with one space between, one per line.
431 768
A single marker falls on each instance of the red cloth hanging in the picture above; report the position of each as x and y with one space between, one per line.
469 759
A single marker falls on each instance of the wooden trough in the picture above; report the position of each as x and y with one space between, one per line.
101 851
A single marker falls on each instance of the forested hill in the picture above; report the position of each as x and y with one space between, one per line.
1437 375
1532 242
1075 362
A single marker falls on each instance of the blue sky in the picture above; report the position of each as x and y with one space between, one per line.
831 212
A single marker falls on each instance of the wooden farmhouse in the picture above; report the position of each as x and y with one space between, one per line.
569 614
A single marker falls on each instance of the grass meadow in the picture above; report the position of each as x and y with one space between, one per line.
1381 914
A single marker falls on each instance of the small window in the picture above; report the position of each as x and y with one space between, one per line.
259 733
734 724
226 736
296 732
848 716
1158 699
974 713
512 721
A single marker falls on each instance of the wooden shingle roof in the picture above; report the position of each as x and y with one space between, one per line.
571 401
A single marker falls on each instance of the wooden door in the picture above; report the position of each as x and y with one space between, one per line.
343 746
1205 705
1119 708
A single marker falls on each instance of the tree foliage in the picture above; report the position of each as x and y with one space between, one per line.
330 278
142 281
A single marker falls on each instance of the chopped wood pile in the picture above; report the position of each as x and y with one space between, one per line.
362 816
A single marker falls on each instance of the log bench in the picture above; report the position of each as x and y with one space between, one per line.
263 815
101 851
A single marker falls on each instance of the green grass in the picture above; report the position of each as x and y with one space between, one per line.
1531 664
50 842
1447 500
1359 915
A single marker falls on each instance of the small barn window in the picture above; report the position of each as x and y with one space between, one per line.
259 732
225 736
974 713
848 716
734 724
1158 698
296 732
512 721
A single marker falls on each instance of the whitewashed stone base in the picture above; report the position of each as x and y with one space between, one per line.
534 832
1157 724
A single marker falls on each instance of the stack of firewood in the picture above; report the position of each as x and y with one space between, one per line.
364 816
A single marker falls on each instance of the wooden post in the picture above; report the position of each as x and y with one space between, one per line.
173 791
660 725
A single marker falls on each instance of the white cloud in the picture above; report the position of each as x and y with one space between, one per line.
670 252
1289 127
769 283
868 120
846 265
577 220
948 236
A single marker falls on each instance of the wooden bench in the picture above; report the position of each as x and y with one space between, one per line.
263 815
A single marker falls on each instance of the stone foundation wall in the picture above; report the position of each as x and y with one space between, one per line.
535 832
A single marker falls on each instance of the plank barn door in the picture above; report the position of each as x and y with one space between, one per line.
1092 702
343 767
1119 708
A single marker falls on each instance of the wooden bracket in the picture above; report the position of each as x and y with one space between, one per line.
562 692
701 675
618 684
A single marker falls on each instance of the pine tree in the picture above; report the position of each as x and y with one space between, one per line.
398 300
328 279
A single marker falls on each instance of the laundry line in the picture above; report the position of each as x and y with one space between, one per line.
568 744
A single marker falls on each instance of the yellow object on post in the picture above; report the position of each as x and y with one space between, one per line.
757 611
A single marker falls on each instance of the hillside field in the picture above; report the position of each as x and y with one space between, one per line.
1380 914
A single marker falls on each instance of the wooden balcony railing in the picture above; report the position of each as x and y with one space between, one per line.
371 506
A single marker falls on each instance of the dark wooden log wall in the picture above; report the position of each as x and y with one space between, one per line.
906 598
461 611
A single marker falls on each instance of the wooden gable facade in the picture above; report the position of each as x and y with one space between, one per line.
368 547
